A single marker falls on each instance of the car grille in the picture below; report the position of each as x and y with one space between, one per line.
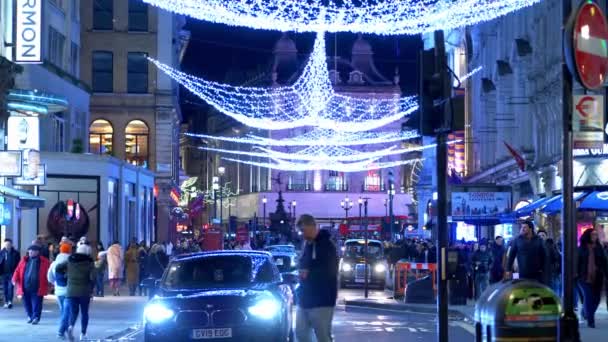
193 318
228 318
360 270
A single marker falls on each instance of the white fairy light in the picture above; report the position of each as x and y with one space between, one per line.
322 154
366 165
470 74
319 137
310 101
384 17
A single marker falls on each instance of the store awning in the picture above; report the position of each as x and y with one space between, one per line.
527 210
32 101
26 200
597 200
555 204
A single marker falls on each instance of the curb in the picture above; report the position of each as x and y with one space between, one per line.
401 308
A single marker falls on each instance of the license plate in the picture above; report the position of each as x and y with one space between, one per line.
205 334
279 262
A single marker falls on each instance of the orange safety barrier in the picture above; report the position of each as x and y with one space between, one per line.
415 270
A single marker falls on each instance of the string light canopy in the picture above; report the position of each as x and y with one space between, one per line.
383 17
310 101
366 165
319 137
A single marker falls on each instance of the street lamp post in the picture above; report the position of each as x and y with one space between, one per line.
385 208
293 204
346 204
391 196
264 201
221 171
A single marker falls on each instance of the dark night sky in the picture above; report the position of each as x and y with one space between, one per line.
216 49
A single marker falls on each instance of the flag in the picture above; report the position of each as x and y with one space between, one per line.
521 162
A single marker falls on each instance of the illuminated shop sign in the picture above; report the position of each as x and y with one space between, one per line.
28 31
594 152
11 163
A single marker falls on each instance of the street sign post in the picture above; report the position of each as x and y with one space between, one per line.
588 121
585 45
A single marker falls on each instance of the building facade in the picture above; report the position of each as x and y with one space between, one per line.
135 114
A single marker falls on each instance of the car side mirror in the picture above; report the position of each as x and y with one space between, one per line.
150 283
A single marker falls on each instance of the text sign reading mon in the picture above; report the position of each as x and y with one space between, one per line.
589 37
28 31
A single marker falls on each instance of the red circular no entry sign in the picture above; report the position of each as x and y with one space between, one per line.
589 40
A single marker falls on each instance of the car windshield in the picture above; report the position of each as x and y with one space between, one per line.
356 249
284 249
284 263
209 272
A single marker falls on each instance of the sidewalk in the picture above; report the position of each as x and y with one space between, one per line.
466 313
108 316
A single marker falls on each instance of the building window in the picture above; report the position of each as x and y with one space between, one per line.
336 182
373 181
137 72
138 16
56 47
136 141
103 13
100 137
102 72
75 64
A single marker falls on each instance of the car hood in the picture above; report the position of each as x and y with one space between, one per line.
187 299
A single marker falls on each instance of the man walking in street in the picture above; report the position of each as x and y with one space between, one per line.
9 258
482 260
497 271
530 252
30 280
318 290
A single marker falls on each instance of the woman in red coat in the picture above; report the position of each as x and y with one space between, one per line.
31 282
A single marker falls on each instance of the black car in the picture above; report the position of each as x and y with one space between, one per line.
352 264
220 296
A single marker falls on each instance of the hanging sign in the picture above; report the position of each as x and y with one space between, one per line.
11 163
585 44
28 31
588 121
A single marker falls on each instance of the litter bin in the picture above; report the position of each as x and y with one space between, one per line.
517 310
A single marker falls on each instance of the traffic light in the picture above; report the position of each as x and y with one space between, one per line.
435 83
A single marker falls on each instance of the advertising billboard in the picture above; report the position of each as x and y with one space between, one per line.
23 133
482 205
11 163
39 179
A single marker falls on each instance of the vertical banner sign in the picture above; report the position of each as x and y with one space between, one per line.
588 125
28 31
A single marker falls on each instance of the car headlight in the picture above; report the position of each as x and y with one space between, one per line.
346 267
265 308
380 268
157 313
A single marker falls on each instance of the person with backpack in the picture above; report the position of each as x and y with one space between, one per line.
59 280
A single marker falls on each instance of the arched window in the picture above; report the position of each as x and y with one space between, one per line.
136 141
100 137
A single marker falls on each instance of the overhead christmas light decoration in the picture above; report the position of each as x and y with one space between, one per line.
310 101
322 153
384 17
319 137
365 165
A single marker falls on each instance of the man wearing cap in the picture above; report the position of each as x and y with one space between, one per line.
30 280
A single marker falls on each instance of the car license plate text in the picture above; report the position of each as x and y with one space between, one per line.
204 334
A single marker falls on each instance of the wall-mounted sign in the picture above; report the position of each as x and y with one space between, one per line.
40 178
28 31
591 152
588 121
23 133
479 205
11 163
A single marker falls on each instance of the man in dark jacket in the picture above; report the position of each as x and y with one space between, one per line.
482 260
497 271
9 259
318 291
530 252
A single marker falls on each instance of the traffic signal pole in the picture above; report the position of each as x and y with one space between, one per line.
442 187
568 325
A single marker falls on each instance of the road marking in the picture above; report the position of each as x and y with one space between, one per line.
468 327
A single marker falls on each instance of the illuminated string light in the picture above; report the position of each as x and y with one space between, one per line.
319 137
310 101
366 165
384 17
470 74
322 153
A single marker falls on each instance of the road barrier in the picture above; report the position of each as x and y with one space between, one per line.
406 271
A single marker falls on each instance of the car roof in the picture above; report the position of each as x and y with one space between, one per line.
363 241
245 253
